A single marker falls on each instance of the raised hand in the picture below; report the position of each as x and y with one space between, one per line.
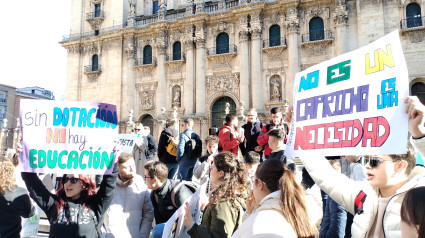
415 111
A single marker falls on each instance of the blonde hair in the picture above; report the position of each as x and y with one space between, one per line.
7 181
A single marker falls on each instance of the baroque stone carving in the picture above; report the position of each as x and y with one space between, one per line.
222 82
341 13
275 88
147 94
416 36
243 35
318 47
130 48
223 60
176 102
274 18
222 26
175 66
292 21
275 53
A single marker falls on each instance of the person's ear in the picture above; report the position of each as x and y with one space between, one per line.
221 173
400 166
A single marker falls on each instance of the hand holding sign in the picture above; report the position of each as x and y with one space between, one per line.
188 220
415 111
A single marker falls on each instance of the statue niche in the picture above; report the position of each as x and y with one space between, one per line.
275 88
176 101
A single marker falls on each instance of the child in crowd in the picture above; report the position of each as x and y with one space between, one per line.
201 171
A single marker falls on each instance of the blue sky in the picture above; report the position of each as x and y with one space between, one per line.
29 50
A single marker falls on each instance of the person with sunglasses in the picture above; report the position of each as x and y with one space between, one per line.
77 208
139 149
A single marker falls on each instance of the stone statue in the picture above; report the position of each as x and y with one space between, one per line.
227 110
5 123
132 8
176 98
130 116
147 100
276 90
175 113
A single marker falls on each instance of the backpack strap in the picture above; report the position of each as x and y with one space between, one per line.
190 137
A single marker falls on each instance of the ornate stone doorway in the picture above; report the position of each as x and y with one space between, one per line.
147 120
218 109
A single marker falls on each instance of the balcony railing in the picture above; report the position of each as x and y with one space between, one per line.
412 22
211 7
148 60
96 14
147 20
92 68
172 15
233 3
91 33
317 35
2 99
175 57
273 42
223 49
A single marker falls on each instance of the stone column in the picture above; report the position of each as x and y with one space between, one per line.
128 89
200 76
257 83
341 32
161 97
188 95
245 67
292 29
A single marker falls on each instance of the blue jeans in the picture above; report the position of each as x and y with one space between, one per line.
185 172
158 230
172 170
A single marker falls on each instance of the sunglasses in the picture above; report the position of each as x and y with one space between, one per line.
374 161
73 180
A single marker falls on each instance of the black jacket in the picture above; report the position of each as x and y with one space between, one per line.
251 132
152 147
164 139
14 205
75 220
279 155
161 200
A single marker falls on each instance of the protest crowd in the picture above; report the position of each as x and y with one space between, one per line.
260 179
254 194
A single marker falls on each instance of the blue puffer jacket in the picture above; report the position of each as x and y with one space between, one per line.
334 220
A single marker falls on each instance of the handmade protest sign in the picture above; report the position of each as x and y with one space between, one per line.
68 137
127 142
174 227
353 103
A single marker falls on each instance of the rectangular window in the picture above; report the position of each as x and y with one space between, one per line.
97 10
155 7
2 96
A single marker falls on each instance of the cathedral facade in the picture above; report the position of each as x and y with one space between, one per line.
161 59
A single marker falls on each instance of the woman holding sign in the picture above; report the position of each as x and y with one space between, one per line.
77 207
223 214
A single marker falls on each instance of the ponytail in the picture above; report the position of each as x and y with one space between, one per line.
277 176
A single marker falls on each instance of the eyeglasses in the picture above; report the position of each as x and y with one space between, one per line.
250 115
374 161
73 180
137 129
145 177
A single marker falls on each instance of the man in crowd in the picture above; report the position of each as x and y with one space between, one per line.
201 170
131 210
252 160
186 164
152 146
229 138
156 179
252 130
277 145
140 146
168 135
275 123
376 205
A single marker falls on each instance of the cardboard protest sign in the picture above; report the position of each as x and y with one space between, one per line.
127 142
174 227
353 103
68 137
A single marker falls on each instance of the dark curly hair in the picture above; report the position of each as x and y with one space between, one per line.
234 182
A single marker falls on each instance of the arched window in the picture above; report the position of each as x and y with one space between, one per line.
316 29
218 111
147 55
222 43
418 89
413 15
155 7
177 51
95 63
274 35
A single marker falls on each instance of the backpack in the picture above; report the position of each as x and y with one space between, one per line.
193 147
171 148
191 185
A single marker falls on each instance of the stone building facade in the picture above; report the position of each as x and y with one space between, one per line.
149 57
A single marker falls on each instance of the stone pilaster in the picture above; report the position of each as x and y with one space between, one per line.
162 97
293 28
257 83
189 98
341 21
128 91
245 67
200 76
